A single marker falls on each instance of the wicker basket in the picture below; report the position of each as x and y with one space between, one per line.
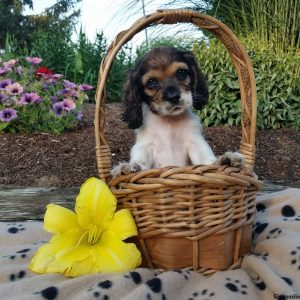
197 217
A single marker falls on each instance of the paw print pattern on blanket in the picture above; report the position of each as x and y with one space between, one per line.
259 283
287 280
135 276
148 297
17 276
184 273
205 294
49 293
274 233
295 257
289 214
19 254
15 228
236 286
258 228
263 256
260 207
101 289
156 286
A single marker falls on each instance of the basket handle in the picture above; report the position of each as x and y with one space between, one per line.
240 60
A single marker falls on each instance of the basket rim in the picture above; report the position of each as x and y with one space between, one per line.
188 175
236 50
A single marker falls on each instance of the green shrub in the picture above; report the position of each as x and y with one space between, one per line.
277 79
118 74
34 99
177 42
57 51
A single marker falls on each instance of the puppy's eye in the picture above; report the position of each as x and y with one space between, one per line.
182 74
152 84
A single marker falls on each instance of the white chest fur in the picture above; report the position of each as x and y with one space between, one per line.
171 141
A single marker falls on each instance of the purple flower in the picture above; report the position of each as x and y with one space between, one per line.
66 92
14 89
79 116
3 98
5 83
8 114
68 105
54 99
85 87
34 60
47 84
58 108
4 70
19 70
69 85
28 98
51 81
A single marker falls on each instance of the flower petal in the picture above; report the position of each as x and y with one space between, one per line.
58 220
65 244
113 255
95 204
41 259
123 224
83 267
45 262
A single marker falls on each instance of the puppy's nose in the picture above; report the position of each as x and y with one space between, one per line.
172 95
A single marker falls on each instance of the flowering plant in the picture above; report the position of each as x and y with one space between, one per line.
89 240
34 98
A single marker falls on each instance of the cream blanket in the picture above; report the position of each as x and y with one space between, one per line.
272 271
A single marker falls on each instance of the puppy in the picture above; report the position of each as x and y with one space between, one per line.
159 95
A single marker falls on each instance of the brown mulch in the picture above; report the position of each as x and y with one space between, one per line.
67 159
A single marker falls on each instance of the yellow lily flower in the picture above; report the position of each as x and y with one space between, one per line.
89 240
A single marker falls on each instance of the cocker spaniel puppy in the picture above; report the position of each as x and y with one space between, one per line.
159 95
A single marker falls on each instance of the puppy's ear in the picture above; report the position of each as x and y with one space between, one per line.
132 101
199 85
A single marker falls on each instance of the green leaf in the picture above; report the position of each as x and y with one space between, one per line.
3 125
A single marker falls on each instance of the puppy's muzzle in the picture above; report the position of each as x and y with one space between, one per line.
172 95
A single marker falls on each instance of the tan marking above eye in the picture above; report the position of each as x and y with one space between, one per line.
173 67
152 74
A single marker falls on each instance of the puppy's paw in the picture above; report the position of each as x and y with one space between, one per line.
231 159
125 168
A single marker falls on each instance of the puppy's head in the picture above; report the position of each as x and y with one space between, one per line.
169 81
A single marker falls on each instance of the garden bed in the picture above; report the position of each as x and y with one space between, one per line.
66 160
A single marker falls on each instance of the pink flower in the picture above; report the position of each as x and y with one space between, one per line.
34 60
9 64
85 87
14 89
68 105
4 70
57 76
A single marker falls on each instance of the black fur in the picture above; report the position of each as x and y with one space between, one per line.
133 98
199 86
